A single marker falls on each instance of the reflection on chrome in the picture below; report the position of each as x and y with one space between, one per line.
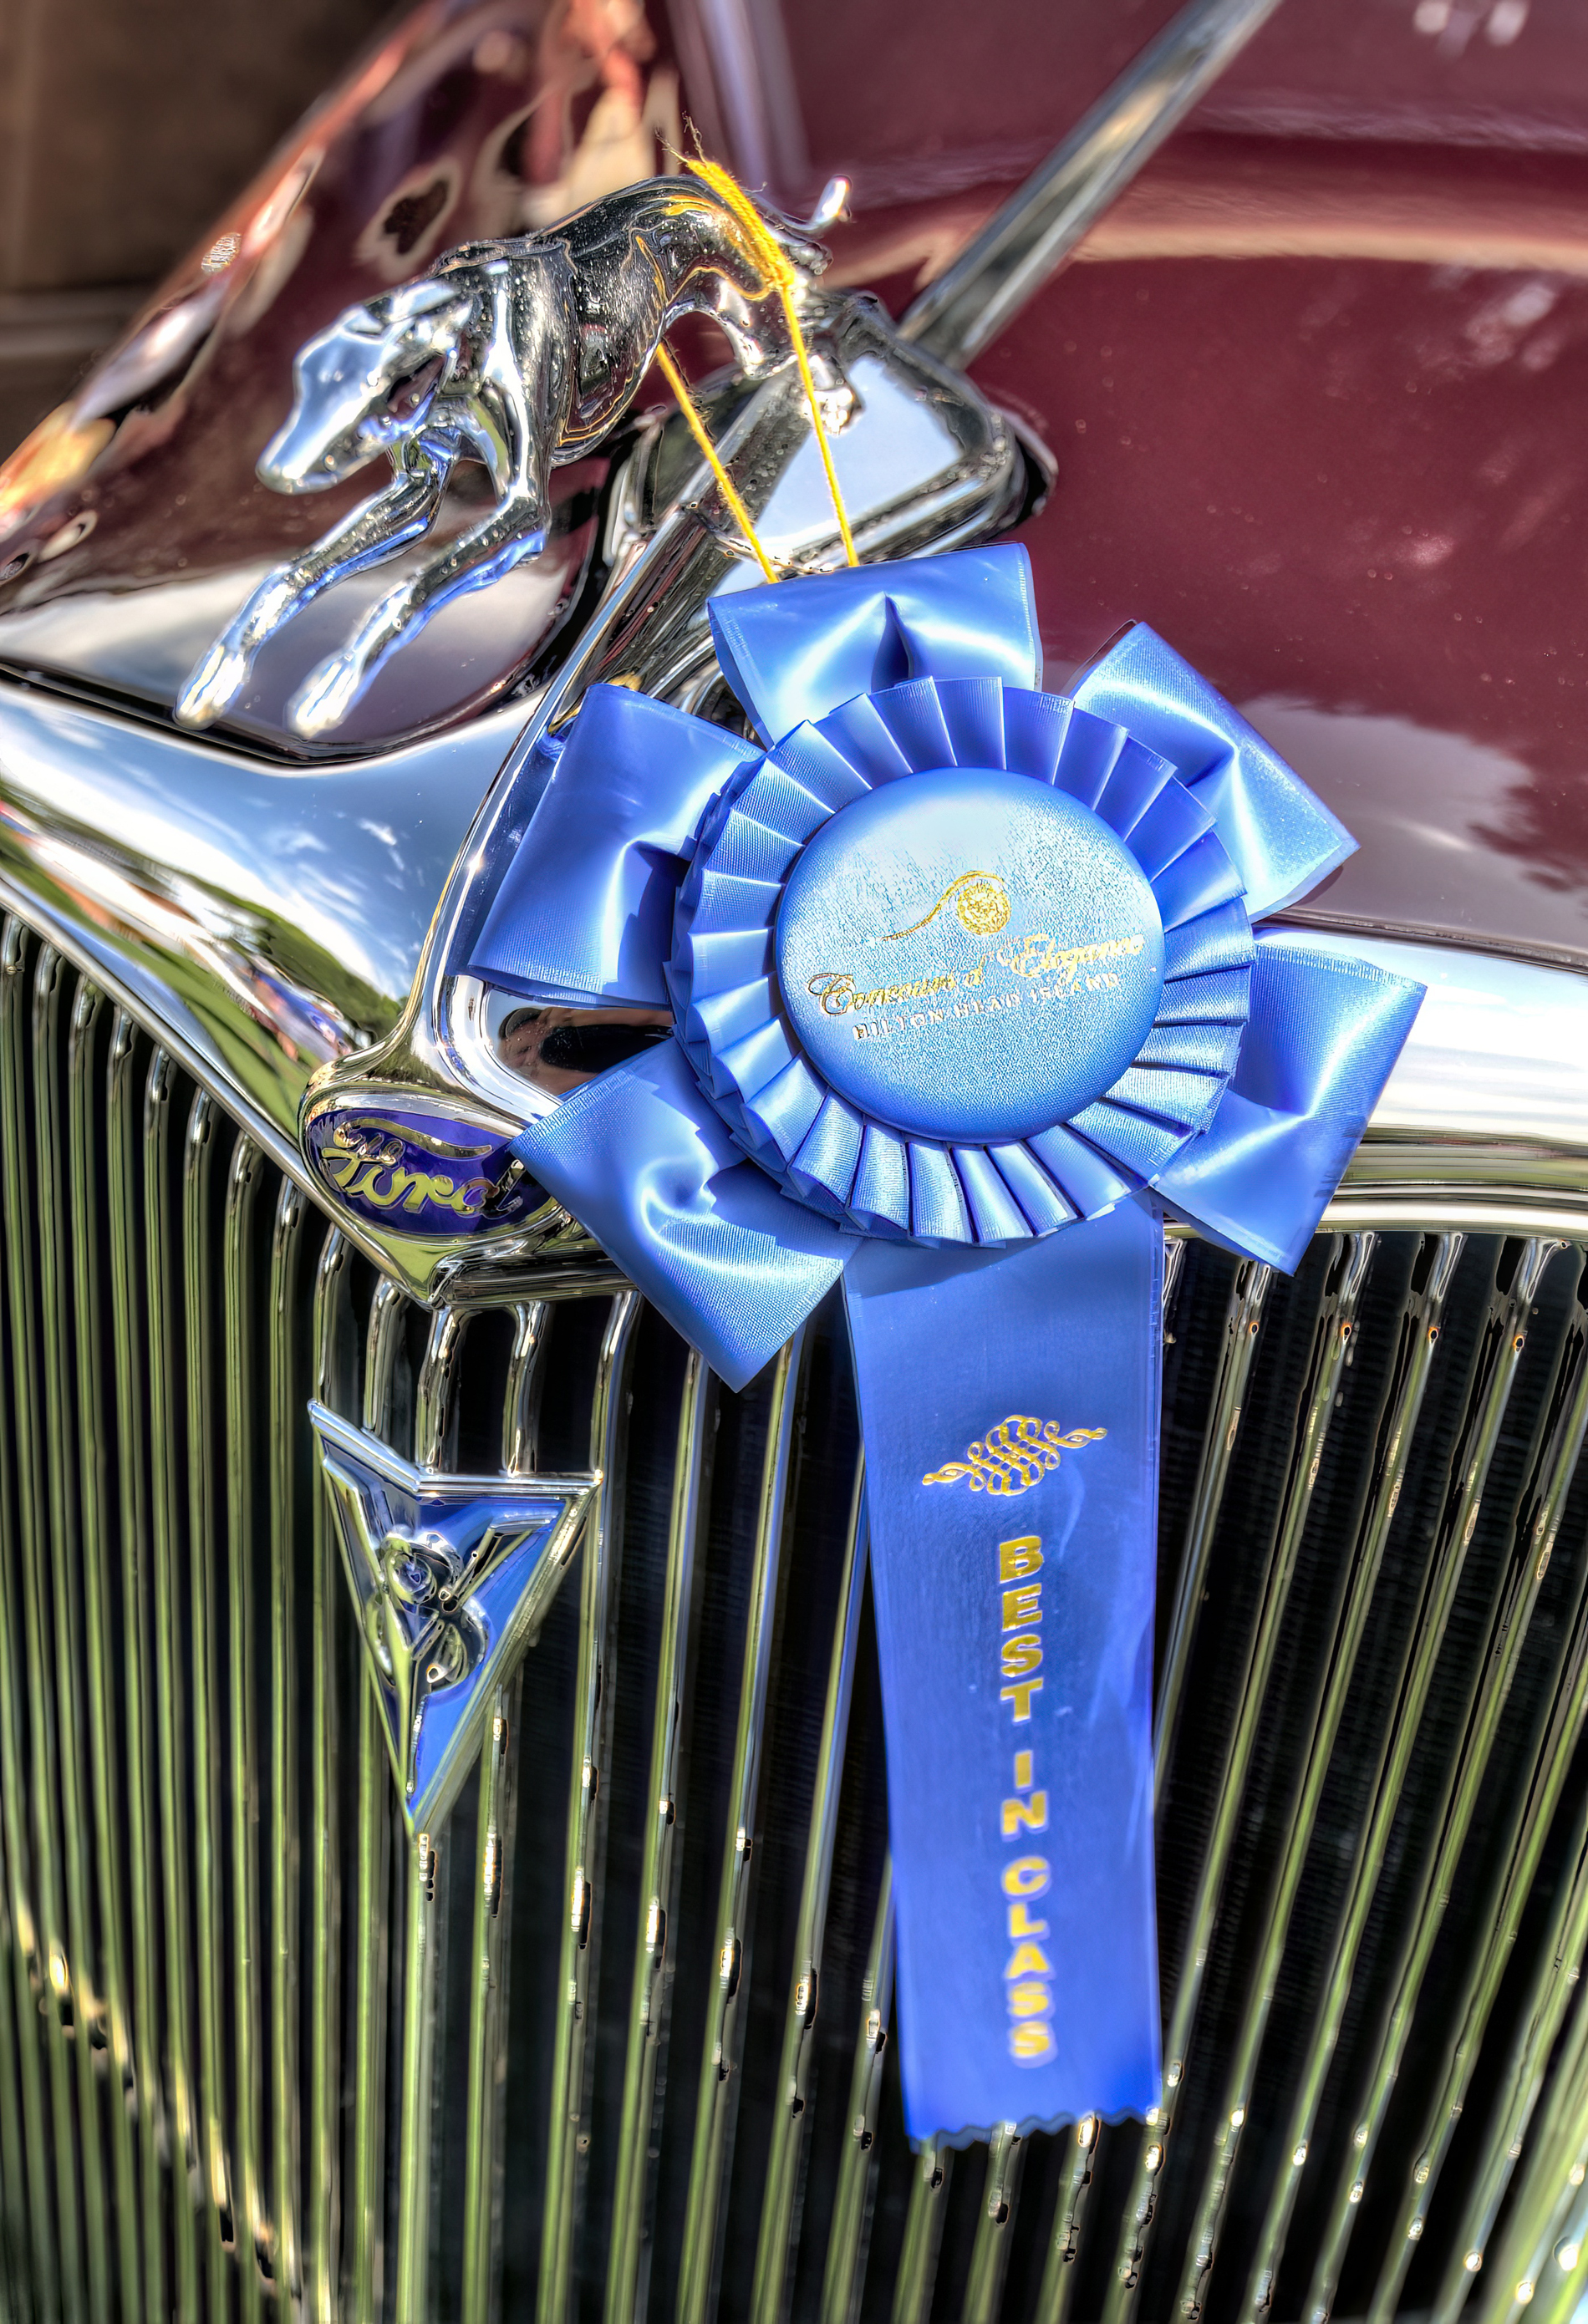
523 354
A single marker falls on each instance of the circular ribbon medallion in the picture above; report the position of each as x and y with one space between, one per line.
969 956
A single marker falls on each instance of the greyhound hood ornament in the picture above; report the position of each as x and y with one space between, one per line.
521 353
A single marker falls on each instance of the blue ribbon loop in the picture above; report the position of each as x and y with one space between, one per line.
735 1185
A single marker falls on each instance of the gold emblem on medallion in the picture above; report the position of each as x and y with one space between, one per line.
980 904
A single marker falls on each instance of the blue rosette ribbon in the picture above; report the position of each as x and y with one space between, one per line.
965 996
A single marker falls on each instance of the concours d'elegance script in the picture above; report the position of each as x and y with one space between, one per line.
967 996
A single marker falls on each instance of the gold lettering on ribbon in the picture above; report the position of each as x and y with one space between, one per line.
1015 1455
1038 956
836 992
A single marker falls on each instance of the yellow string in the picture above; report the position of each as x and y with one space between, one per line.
781 276
697 425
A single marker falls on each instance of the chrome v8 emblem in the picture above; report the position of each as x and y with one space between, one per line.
449 1576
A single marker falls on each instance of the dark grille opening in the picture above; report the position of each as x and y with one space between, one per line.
214 2092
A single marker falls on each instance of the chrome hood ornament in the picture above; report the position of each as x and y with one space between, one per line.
520 354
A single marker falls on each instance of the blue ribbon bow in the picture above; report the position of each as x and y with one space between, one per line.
597 906
940 1149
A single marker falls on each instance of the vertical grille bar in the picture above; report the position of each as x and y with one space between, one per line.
487 2010
94 1423
287 1388
51 989
125 1111
28 1484
592 1727
420 1980
1548 2205
930 2181
1059 2272
1331 1344
626 2271
324 2155
984 2295
172 1829
426 1920
1510 2119
719 2083
1519 1590
845 2276
1559 1976
1241 1325
252 2234
1420 1336
371 1964
26 2193
488 1998
775 2244
1470 1468
205 1570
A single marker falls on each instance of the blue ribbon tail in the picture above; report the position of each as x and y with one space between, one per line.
1282 838
797 650
1010 1412
641 1159
586 907
1323 1037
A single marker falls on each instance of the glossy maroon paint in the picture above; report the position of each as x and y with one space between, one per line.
1315 400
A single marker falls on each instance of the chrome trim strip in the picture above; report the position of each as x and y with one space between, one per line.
627 2271
202 1365
45 1944
1248 1292
373 1964
983 2291
567 2133
849 2234
284 1408
323 2159
1026 241
49 1218
775 2244
1057 2295
126 1112
487 2021
85 1062
252 2230
170 1695
923 2234
719 2081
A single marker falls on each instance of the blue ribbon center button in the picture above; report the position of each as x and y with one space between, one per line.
969 956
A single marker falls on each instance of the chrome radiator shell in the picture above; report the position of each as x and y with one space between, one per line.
616 2038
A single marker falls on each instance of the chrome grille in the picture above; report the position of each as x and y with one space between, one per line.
615 2040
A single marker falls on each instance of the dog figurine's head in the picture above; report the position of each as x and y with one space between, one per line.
365 383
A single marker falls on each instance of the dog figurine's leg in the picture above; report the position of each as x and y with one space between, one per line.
373 530
514 529
516 417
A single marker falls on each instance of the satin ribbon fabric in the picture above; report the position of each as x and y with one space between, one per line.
1014 1626
1002 1294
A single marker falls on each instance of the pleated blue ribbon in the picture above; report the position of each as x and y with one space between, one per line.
957 966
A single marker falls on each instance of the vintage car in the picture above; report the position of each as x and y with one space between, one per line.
590 2011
